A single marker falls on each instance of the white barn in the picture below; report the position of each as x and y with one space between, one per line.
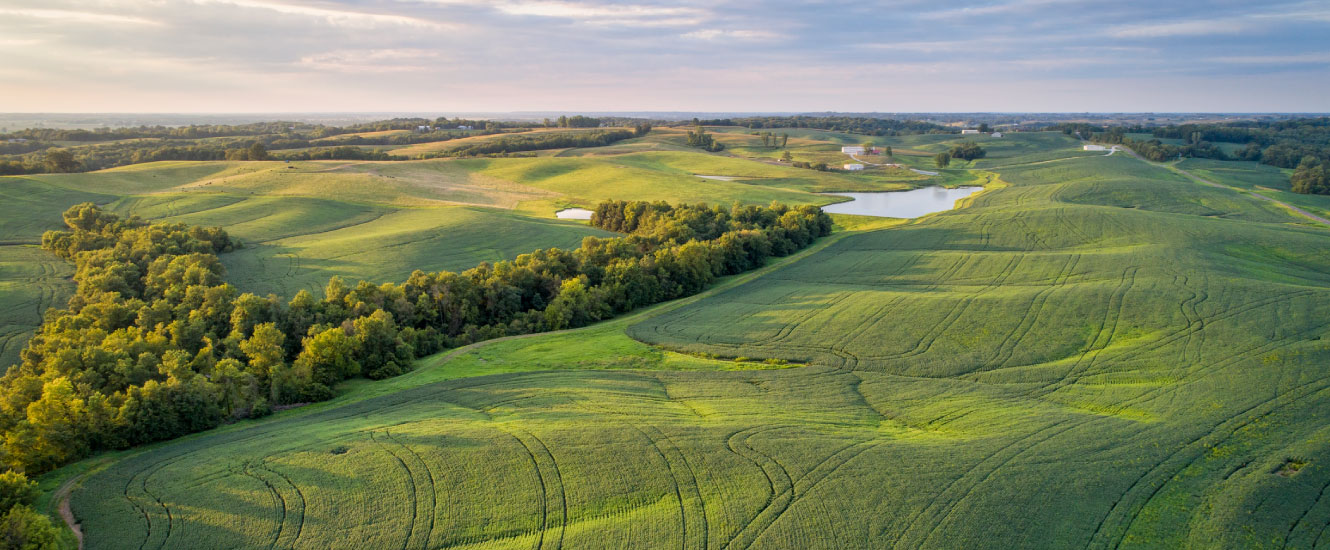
853 167
997 134
852 150
1095 148
969 132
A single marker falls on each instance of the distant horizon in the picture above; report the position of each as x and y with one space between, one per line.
630 112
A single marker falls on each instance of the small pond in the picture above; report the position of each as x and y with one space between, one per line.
573 214
900 204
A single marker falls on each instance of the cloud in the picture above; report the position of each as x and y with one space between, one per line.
1183 28
75 16
261 55
1238 24
637 15
372 61
1278 59
332 16
733 35
996 9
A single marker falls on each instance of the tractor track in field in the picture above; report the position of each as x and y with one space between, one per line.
937 281
1185 331
925 343
431 492
1125 509
143 486
677 467
551 485
1108 326
298 509
1233 358
955 491
1319 497
778 478
801 487
1189 311
413 502
279 500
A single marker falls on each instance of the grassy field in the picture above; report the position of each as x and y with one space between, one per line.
1262 178
1097 353
31 280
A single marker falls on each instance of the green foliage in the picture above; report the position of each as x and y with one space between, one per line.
1311 177
154 344
848 124
22 528
16 489
942 160
698 137
967 151
544 140
60 160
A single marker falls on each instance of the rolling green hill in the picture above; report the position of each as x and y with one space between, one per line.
1099 354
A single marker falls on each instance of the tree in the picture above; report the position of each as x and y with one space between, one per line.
887 151
985 128
60 161
257 151
327 358
967 151
786 156
380 352
784 139
868 146
267 358
23 528
16 489
1310 177
942 160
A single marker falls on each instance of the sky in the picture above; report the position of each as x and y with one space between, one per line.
453 56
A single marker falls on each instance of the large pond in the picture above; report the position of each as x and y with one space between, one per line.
900 204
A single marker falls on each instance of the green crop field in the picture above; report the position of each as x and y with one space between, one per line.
1095 353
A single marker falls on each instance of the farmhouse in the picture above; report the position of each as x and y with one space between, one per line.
997 134
423 128
852 150
854 167
1095 148
969 132
466 127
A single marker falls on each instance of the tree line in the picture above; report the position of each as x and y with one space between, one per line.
35 150
155 344
852 125
540 141
1283 144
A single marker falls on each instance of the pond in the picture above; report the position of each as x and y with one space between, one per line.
900 204
573 214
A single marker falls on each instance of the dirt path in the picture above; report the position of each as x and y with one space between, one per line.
1198 179
62 496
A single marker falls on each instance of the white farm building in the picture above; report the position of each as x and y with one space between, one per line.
853 167
997 134
1095 148
852 150
969 132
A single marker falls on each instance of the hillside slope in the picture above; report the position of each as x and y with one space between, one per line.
1100 355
